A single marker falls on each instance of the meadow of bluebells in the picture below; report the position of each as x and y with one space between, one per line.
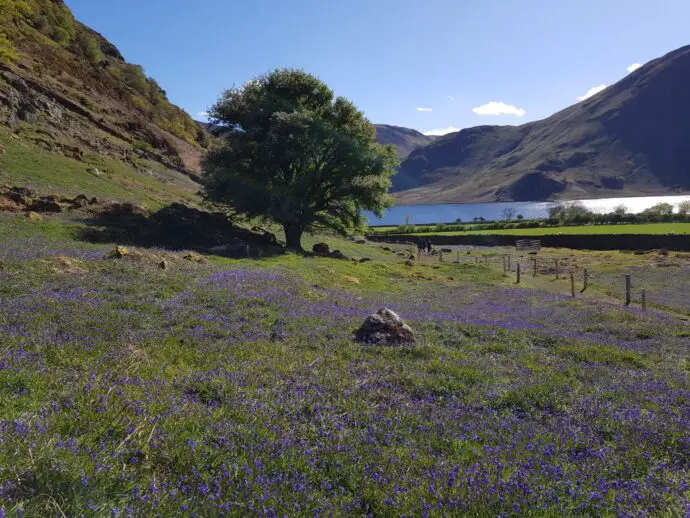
234 388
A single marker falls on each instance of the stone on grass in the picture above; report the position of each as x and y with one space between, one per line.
361 241
34 216
120 252
321 249
163 265
364 260
385 327
194 257
45 206
337 254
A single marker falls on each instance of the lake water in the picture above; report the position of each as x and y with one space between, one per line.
450 212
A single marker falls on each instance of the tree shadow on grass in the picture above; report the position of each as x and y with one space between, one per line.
178 227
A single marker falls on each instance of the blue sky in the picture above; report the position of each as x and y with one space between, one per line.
452 58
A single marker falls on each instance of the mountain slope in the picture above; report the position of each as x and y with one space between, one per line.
630 139
405 140
67 93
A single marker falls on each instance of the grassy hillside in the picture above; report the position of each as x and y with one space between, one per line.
405 140
69 103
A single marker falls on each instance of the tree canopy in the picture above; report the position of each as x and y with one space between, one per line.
295 154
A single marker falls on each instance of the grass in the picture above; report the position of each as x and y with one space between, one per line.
25 164
645 228
233 387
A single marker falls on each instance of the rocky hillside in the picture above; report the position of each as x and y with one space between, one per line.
74 112
405 140
631 139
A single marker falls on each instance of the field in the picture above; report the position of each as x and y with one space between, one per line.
233 387
645 228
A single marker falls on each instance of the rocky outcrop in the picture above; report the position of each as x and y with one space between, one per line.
385 327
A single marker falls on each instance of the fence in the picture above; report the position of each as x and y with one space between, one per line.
663 283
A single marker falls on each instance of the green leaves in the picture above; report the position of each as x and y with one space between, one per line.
297 155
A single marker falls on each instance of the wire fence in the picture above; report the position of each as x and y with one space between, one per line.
663 282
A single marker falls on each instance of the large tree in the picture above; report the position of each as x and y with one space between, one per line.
296 155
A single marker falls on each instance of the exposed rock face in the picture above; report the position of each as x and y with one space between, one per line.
385 327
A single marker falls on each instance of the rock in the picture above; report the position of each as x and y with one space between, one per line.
321 249
45 206
78 204
364 260
120 252
94 201
194 257
385 327
386 249
68 265
337 254
411 258
34 216
447 250
8 205
94 171
361 241
402 254
409 263
163 265
80 198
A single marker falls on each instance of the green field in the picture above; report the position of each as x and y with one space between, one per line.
645 228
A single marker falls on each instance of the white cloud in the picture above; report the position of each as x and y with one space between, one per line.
441 131
592 91
202 115
498 108
420 109
634 67
451 98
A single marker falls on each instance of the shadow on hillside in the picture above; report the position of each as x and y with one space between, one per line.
178 227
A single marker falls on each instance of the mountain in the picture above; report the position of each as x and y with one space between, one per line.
405 140
630 139
75 116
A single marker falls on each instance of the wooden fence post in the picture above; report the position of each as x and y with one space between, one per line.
509 268
556 263
458 257
644 300
628 286
572 284
534 274
586 281
518 273
440 257
504 265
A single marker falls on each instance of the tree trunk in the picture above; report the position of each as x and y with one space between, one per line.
293 236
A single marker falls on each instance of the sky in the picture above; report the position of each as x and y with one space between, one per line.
432 65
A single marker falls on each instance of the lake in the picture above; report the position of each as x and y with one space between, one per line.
450 212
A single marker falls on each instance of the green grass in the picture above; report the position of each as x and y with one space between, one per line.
644 228
126 389
25 164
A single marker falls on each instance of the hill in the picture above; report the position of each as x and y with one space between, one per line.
76 115
405 140
630 139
